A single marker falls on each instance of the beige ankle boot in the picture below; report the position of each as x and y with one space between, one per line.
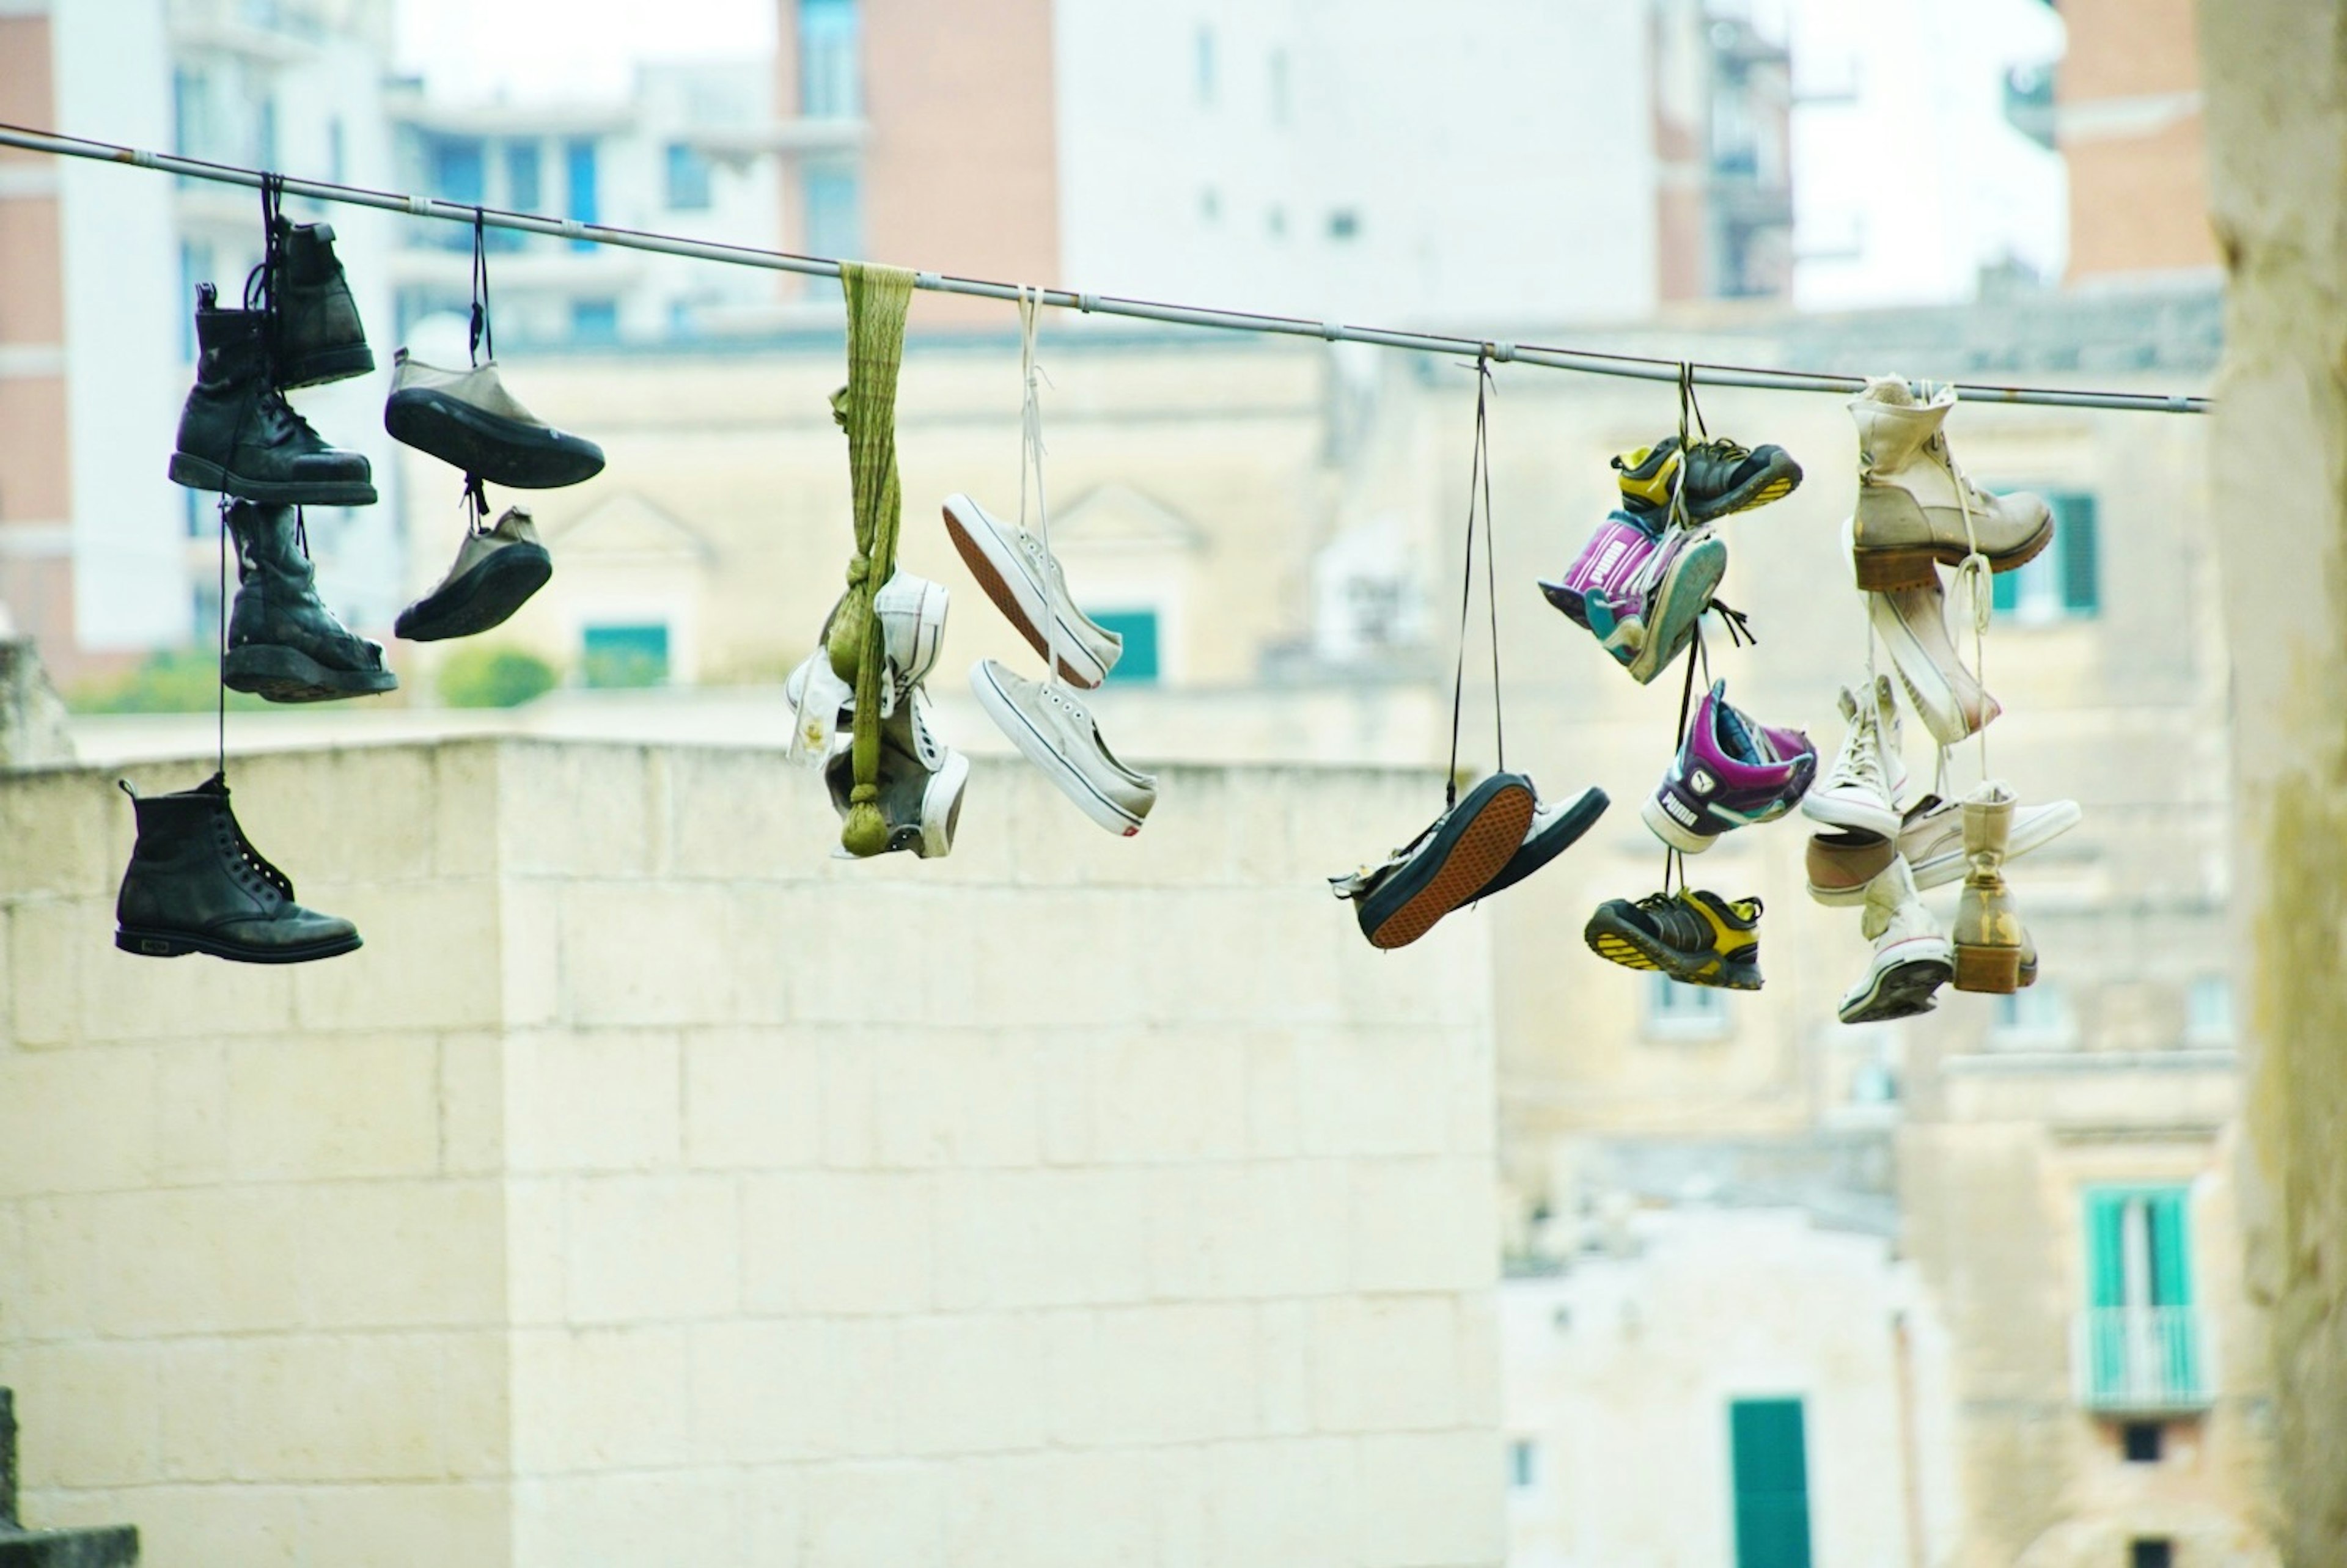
1912 499
1989 940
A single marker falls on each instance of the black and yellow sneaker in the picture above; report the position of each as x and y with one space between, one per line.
1691 935
1721 477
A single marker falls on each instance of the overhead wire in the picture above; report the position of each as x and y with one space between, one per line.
1632 366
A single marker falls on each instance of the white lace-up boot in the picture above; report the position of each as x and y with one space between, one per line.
1862 789
1912 498
1911 960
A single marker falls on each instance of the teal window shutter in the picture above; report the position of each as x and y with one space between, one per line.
2171 1286
1139 662
2106 1249
2073 537
2004 592
1769 1460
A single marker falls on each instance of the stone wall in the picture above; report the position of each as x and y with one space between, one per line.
653 1188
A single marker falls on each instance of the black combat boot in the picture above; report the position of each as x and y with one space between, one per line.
196 884
284 643
318 337
238 435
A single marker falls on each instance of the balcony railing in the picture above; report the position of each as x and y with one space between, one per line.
2141 1359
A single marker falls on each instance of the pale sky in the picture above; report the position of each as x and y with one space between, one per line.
567 48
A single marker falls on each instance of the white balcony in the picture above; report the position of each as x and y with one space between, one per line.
2141 1360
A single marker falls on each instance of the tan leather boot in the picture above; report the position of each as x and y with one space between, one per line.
1912 499
1989 940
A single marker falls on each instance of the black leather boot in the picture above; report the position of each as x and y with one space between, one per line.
196 884
238 435
318 337
284 643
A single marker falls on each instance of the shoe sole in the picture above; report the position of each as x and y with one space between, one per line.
1902 987
941 807
1670 830
489 445
1995 971
1618 942
1772 487
1937 704
1562 834
483 598
149 943
326 365
1483 832
1680 600
289 675
1888 570
1031 742
1865 816
979 544
197 474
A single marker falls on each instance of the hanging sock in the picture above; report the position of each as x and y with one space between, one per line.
196 884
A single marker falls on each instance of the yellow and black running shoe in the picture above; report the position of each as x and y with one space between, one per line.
1691 935
1720 477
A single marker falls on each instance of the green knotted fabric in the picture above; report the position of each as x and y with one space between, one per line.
866 409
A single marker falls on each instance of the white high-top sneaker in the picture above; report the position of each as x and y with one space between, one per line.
921 781
1911 957
1912 498
1862 789
1948 698
912 614
1025 583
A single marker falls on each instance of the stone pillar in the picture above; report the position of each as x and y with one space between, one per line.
32 720
2276 79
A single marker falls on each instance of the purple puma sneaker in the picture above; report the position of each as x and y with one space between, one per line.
1731 772
1639 588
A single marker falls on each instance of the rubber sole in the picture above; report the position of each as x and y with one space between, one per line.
1474 842
483 598
971 538
489 445
198 474
1032 744
1876 817
1558 835
324 366
1993 970
1902 987
1619 942
289 675
1670 830
153 944
1773 489
1917 566
1684 594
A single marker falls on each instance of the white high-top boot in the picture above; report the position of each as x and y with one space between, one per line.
1912 958
1948 697
1912 497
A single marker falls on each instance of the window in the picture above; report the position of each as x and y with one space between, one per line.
2209 1011
195 267
191 117
1770 1460
458 172
831 85
595 320
2139 1441
1676 1008
1344 223
2036 1015
834 208
1210 204
2141 1338
2064 581
2151 1552
583 198
687 179
625 655
1205 65
1277 221
264 131
524 185
1523 1463
335 152
1138 664
1279 106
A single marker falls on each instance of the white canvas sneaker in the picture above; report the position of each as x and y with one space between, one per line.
1912 958
1931 839
912 612
1862 789
1026 585
1058 736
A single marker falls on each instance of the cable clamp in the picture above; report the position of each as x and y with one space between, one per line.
1086 302
420 206
1331 331
143 158
573 229
928 280
1505 353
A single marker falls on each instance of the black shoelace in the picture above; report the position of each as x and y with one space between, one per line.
1478 489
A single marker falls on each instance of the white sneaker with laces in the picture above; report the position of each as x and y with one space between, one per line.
1912 958
912 613
1026 585
1057 733
921 781
1862 789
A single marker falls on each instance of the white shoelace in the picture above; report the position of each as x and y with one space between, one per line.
1030 455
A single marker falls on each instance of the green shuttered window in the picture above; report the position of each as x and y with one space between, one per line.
1771 1467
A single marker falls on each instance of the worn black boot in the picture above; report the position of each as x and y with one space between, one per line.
318 337
284 643
238 435
196 884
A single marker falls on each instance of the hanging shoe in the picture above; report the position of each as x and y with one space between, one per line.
496 571
1057 733
1444 868
284 643
239 437
1913 625
912 614
1931 840
1989 940
921 781
1731 772
318 336
1555 829
1721 477
196 884
1862 789
468 420
1693 936
1912 498
1911 957
1639 588
1026 585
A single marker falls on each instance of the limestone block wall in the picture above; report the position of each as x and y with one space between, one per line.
651 1187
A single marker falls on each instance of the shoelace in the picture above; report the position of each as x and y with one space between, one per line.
1030 456
1973 573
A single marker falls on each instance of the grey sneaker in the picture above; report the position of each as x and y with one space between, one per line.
921 781
496 571
1026 584
1058 736
468 419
